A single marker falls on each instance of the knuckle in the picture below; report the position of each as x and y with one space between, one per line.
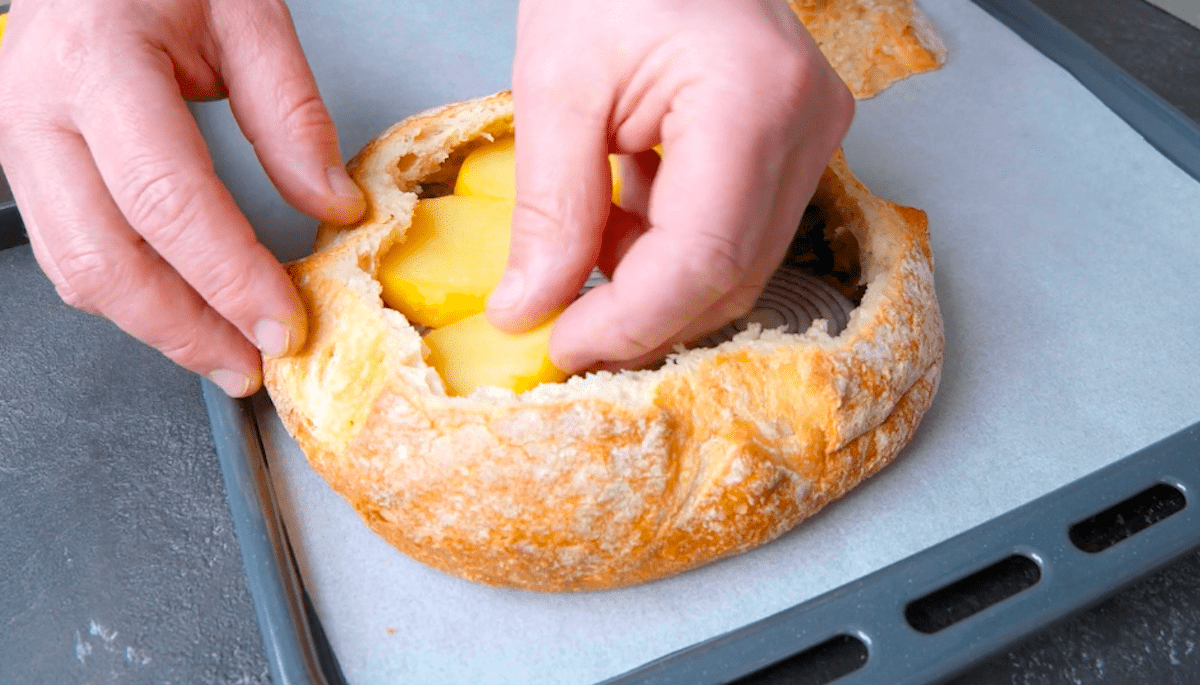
70 50
305 117
554 82
565 224
715 262
158 201
632 342
184 347
80 64
737 303
804 82
794 66
73 298
544 219
533 72
88 277
841 106
787 81
793 82
226 286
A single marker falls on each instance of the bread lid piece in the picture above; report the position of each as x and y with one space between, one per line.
607 479
872 43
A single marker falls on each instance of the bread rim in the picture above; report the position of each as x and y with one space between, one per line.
606 480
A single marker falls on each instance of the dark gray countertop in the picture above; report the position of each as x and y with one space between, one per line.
119 561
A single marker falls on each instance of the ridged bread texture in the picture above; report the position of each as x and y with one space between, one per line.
605 480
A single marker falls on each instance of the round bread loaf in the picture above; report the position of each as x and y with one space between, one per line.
607 479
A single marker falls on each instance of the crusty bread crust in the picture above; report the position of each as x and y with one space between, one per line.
872 43
609 479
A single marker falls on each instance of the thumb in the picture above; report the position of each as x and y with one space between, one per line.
564 191
275 100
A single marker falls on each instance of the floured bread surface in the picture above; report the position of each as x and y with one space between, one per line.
872 43
609 479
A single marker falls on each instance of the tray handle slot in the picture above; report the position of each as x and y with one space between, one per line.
820 664
1127 518
968 596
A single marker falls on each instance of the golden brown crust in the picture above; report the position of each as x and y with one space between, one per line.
872 43
610 479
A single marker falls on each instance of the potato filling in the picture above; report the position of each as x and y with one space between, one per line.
450 260
471 353
455 252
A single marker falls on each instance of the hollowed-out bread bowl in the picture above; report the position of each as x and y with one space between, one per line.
607 479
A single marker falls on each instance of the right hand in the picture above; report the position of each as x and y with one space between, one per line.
116 187
748 112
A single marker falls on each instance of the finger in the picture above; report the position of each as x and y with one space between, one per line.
278 107
154 162
797 184
628 220
730 307
564 189
621 231
699 248
98 264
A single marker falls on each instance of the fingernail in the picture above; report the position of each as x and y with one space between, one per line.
508 291
233 383
271 337
342 184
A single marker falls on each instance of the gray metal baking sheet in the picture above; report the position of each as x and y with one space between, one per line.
870 610
1120 422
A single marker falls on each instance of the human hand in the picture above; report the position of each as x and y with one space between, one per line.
115 185
748 113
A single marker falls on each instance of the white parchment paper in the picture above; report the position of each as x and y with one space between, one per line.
1068 269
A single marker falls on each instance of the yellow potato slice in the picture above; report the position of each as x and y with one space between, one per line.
451 258
472 353
490 171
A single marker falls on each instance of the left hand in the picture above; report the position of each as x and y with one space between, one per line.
117 191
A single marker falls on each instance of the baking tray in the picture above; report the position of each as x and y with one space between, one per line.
920 620
917 621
